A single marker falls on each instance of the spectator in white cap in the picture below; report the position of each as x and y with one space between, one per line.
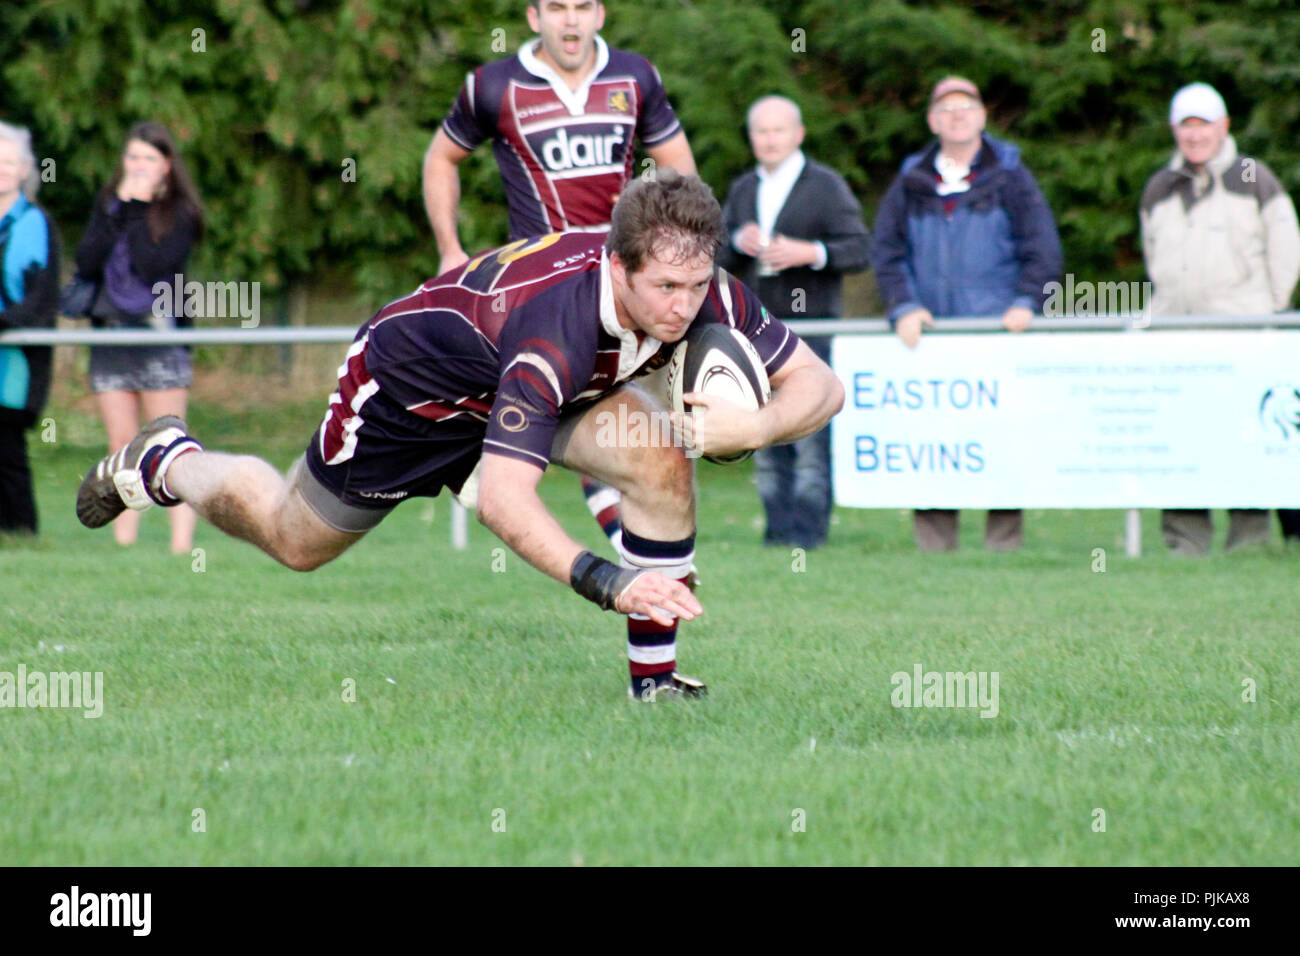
1219 234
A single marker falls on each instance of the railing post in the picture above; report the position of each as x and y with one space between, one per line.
459 526
1133 533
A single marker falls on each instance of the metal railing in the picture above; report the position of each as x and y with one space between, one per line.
303 335
317 334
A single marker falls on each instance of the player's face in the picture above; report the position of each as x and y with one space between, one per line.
775 133
1199 141
957 119
568 29
663 298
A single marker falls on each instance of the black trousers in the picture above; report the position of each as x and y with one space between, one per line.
17 503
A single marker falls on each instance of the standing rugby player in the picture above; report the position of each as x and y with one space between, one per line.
562 116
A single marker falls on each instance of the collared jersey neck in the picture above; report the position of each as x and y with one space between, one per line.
632 355
575 101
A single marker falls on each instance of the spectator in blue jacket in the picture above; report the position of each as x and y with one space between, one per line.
963 231
29 298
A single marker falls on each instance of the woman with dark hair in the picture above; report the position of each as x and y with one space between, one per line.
141 231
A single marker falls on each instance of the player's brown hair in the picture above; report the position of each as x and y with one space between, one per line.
665 213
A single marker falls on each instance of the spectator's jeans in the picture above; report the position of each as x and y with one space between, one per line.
794 482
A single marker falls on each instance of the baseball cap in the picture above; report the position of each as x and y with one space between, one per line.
1199 100
954 84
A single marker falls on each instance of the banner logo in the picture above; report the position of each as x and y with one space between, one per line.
1279 411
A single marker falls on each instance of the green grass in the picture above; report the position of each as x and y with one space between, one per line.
480 691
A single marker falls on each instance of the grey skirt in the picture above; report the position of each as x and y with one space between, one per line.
139 368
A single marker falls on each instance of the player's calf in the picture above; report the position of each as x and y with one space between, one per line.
248 499
657 482
239 494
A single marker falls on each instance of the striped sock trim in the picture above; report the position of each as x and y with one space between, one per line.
673 559
652 647
605 505
156 465
652 660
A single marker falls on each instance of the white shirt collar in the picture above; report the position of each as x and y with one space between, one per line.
787 171
631 355
774 189
952 173
575 101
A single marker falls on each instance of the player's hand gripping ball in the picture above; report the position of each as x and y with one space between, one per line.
716 360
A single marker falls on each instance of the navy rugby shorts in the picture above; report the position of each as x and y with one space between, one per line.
392 456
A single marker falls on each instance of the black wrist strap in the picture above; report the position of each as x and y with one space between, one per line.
598 580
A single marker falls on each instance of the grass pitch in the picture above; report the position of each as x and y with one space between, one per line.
490 723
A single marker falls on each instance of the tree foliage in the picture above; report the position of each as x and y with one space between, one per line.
305 122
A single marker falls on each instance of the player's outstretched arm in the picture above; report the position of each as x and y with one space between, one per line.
441 186
509 506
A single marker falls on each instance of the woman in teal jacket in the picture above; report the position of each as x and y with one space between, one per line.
29 272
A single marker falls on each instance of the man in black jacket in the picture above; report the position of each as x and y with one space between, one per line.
795 229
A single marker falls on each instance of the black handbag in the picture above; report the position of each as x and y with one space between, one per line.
77 297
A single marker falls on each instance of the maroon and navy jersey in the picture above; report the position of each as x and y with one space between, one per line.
564 155
513 338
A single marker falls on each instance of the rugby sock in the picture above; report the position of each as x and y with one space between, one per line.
603 502
652 647
154 465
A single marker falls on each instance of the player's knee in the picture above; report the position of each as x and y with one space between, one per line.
663 476
299 555
296 559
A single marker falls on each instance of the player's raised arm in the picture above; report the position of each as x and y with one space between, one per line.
441 186
675 153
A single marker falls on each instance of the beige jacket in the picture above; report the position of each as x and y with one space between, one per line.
1224 240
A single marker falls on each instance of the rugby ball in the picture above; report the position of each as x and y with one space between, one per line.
715 359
